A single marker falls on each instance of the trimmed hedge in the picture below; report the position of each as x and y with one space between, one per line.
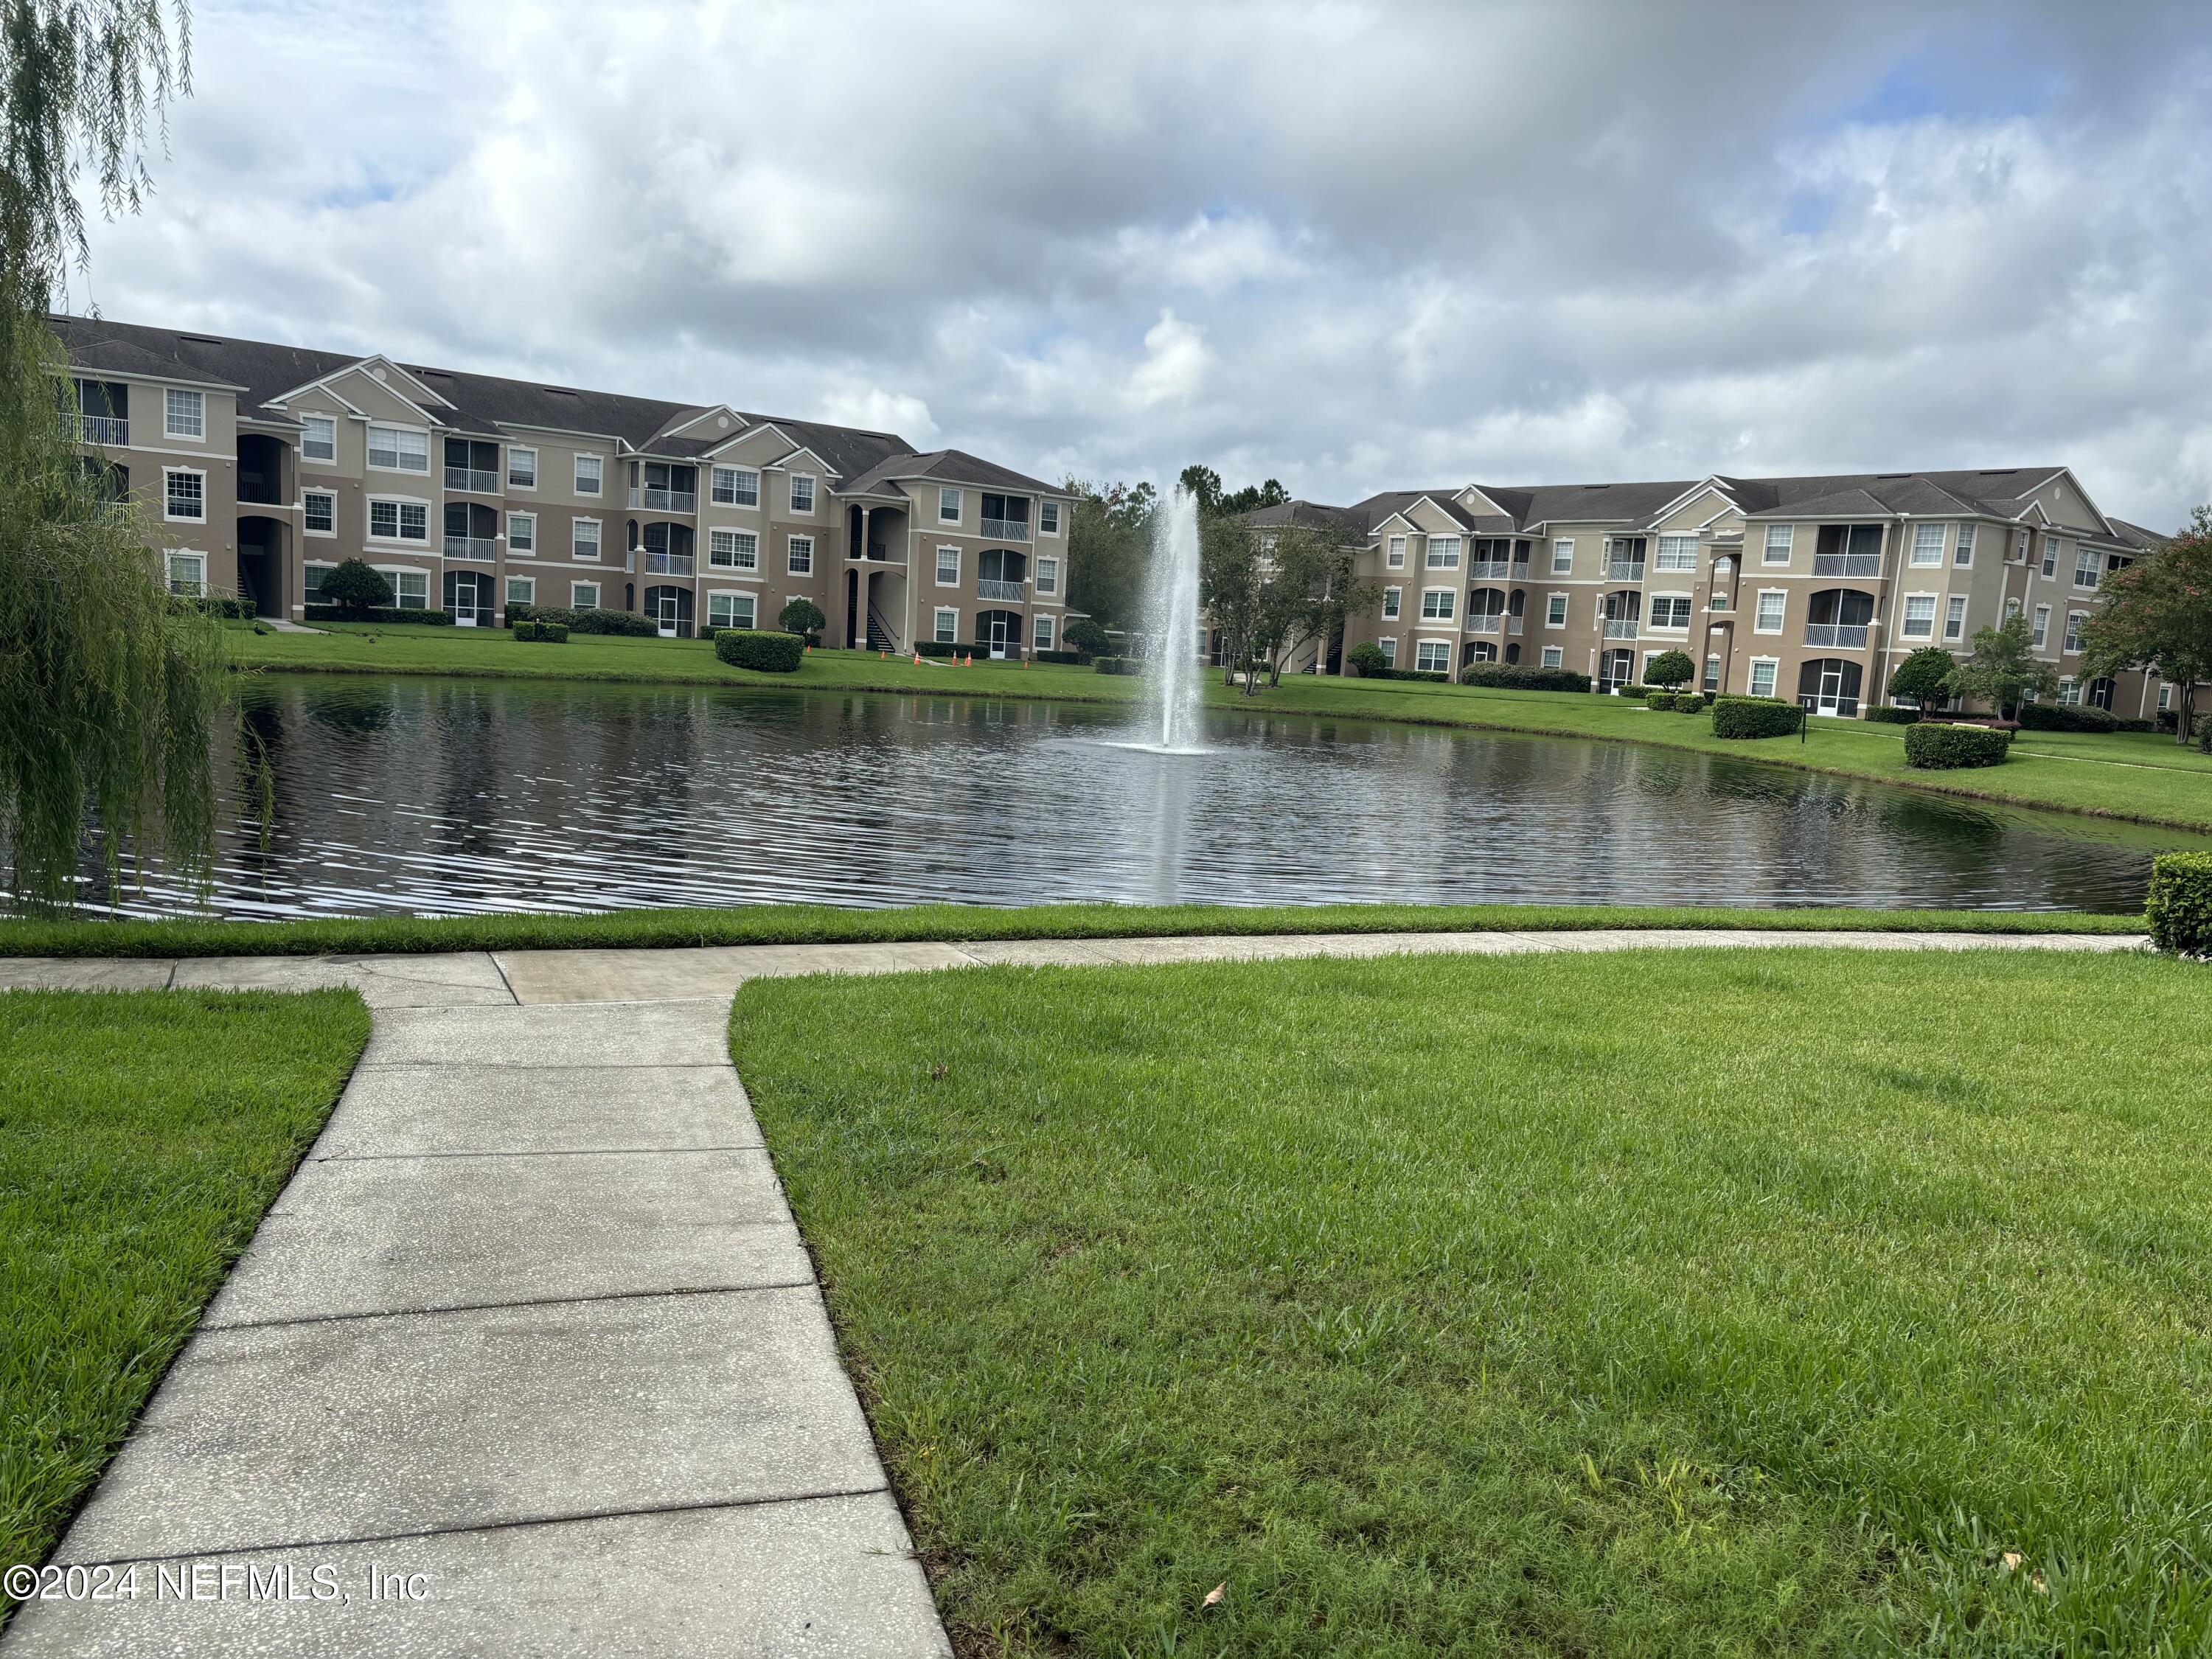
1755 717
940 648
543 633
377 613
1888 714
1662 701
1633 690
225 605
1689 702
1405 674
2179 910
2067 717
627 624
1939 748
759 649
1513 677
1132 666
1077 658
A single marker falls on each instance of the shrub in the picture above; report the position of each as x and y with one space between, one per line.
627 622
544 632
2203 729
2139 726
2179 910
2066 717
801 617
1888 714
1755 717
1934 747
1634 690
354 587
1517 678
1367 657
1086 636
1689 702
760 650
1436 676
1118 664
1924 677
377 614
1660 701
224 605
1669 668
1076 657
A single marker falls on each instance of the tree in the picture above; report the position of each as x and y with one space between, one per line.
2002 671
1924 677
354 587
1087 636
1231 590
1669 668
1203 482
1308 588
1108 546
1255 496
2157 614
108 689
1367 657
801 617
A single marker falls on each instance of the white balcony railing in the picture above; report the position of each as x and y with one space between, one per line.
670 564
1625 570
1005 530
471 547
1847 564
656 498
1842 636
1514 624
109 431
483 481
1497 568
1620 628
990 587
1492 625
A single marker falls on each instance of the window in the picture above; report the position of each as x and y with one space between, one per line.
2074 620
1919 616
1390 648
1042 638
1443 552
188 573
584 540
2040 635
948 505
799 555
583 596
1563 557
1554 657
399 521
732 550
2165 698
184 414
521 468
1963 554
1670 610
1712 674
802 493
1438 603
1779 537
948 627
2051 551
1432 656
731 609
311 582
1927 544
1047 576
319 438
522 533
1048 519
948 566
522 590
184 495
736 486
2069 690
321 512
1396 558
1555 611
398 449
1955 618
2086 564
591 472
1392 598
1676 553
1763 670
410 589
1768 619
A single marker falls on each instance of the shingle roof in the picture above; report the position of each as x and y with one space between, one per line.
948 467
1310 514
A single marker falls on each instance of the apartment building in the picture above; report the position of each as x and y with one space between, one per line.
261 467
1811 589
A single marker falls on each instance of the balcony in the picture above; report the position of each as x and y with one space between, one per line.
1497 568
1625 570
992 587
876 554
471 547
1847 564
1515 624
474 478
1841 637
1486 624
1621 628
1004 530
669 564
109 431
656 499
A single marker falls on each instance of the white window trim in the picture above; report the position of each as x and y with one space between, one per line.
1450 613
319 535
331 421
168 430
169 571
395 572
599 541
1934 562
791 547
1552 656
2039 628
576 596
813 493
1905 615
168 472
1963 537
1652 599
530 582
530 551
368 447
744 535
2069 643
1387 644
1566 604
1659 553
369 520
1440 647
1059 516
513 450
738 474
1043 626
939 572
1782 626
1393 556
1767 549
1038 587
1563 557
576 480
733 593
1432 555
957 498
1393 603
1750 676
937 633
1955 629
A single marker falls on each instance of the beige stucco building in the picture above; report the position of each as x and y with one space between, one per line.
262 466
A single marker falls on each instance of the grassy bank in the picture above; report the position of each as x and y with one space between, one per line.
820 924
1574 1305
2138 777
142 1135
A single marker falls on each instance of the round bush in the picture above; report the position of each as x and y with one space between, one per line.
2179 910
1944 748
755 648
1756 717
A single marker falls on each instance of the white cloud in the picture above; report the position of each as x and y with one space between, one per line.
879 410
1174 367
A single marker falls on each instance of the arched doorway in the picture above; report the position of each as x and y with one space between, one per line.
261 563
1830 685
999 632
468 598
669 608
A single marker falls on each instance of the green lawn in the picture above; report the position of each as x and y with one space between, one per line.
2163 783
142 1135
1727 1303
818 924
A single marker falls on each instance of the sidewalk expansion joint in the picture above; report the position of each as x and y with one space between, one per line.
506 1307
537 1152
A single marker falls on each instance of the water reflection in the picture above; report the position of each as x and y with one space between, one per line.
446 797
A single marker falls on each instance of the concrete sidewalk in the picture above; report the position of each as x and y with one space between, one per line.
532 1336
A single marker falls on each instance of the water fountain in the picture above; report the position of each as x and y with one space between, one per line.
1172 618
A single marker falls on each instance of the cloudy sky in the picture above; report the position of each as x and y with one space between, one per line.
1353 246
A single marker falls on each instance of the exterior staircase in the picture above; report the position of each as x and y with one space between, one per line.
880 637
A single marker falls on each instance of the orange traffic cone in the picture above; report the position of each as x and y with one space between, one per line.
809 650
917 659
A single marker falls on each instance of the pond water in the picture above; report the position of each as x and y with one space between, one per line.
446 797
